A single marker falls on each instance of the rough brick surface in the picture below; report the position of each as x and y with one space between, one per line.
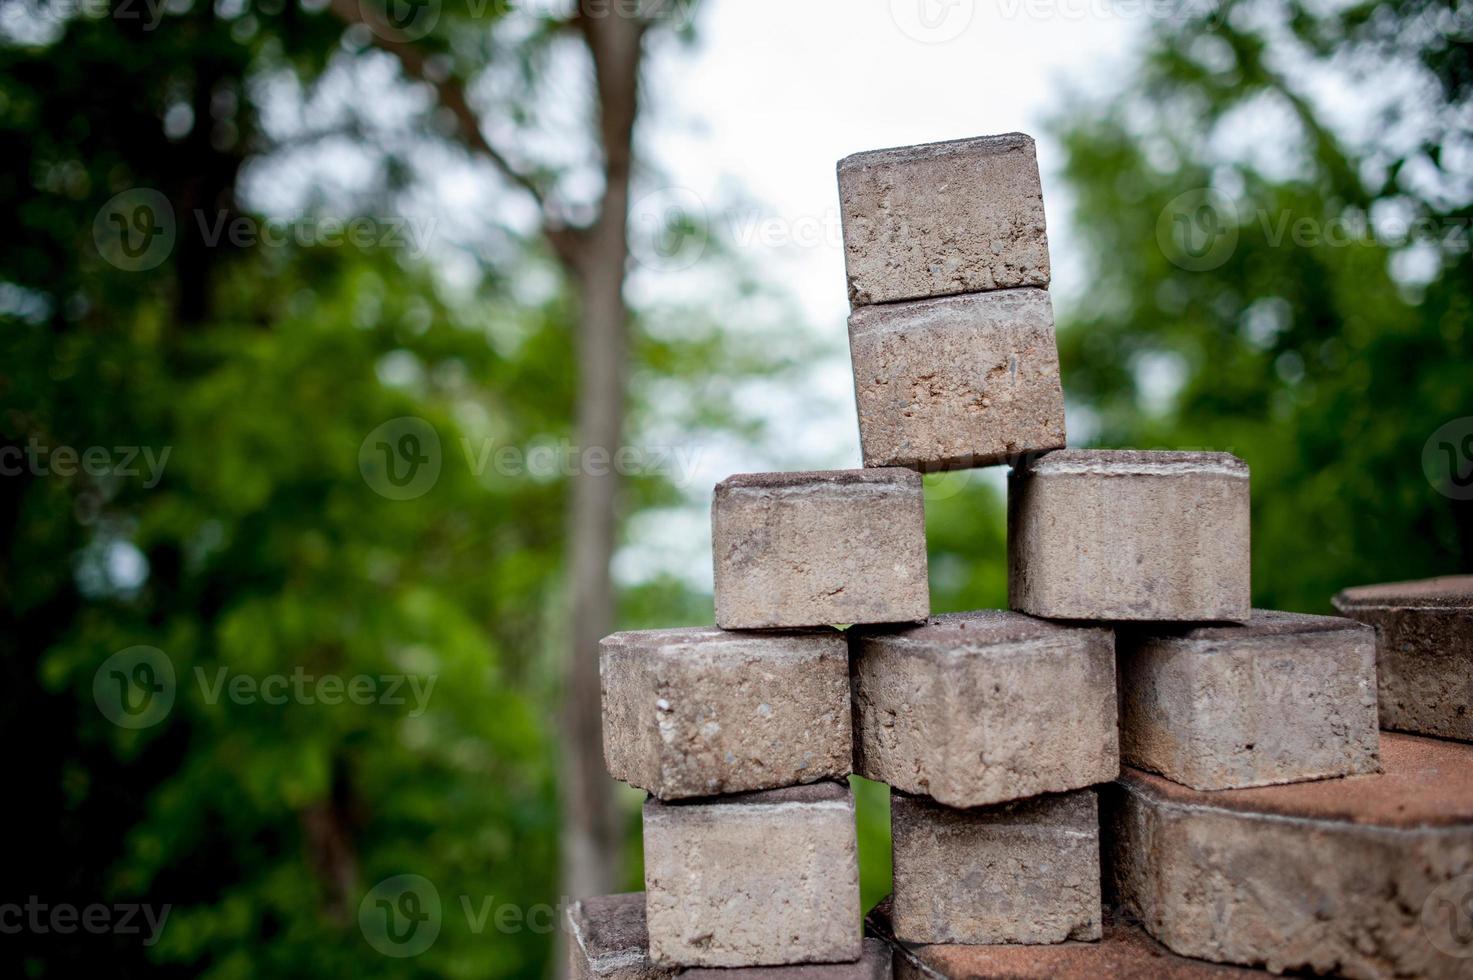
942 219
1128 535
819 549
607 940
1424 652
1339 876
1124 953
1026 872
957 382
703 712
761 879
979 708
1282 699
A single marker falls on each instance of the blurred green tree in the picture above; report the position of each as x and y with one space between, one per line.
1264 278
252 513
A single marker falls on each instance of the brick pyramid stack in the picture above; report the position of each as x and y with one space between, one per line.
1131 713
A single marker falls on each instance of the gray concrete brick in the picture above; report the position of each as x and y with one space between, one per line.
702 712
943 219
1352 877
607 940
1424 652
1125 952
761 879
1282 699
957 382
819 549
985 707
1026 872
1130 535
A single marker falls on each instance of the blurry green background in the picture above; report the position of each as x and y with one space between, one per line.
1268 268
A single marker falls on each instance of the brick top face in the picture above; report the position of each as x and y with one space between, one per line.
1452 592
1264 623
891 476
692 641
1135 462
1426 782
824 792
972 146
609 926
972 630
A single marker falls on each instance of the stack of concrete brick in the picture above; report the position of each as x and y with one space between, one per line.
1129 729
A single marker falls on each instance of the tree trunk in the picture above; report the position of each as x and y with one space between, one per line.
591 826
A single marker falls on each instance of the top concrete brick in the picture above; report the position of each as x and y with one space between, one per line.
1424 652
943 219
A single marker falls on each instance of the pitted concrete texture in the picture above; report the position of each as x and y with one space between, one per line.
942 219
1346 877
957 382
1026 872
1124 953
759 879
702 712
1424 652
979 708
819 549
875 964
1282 699
1129 535
607 940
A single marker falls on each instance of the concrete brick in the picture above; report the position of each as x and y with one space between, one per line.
1282 699
1128 535
607 940
1424 652
957 382
761 879
1125 952
1344 876
1026 872
819 549
942 219
702 712
874 964
985 707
